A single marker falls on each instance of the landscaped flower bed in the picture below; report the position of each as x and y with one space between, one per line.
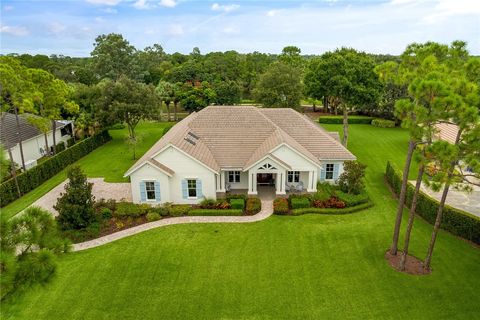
328 199
112 216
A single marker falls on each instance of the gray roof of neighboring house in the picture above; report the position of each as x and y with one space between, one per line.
238 136
8 128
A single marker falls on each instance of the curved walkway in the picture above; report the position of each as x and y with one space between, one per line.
267 210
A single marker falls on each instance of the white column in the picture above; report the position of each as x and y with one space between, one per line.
282 179
252 182
315 180
310 181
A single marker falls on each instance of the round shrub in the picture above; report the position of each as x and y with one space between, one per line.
179 210
280 206
237 204
153 216
298 203
253 206
106 213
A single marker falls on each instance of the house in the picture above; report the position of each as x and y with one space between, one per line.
33 140
237 148
446 131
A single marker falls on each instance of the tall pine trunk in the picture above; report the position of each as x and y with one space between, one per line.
438 220
19 138
47 149
175 110
12 163
411 217
54 131
345 126
401 199
167 104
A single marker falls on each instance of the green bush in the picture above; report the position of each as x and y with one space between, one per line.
298 203
161 210
357 208
215 212
237 204
456 221
32 178
383 123
352 199
153 216
235 196
253 205
70 142
179 210
60 147
106 213
128 209
280 206
207 203
351 119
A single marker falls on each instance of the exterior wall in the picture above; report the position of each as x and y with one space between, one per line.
150 173
323 166
297 162
243 184
31 147
186 167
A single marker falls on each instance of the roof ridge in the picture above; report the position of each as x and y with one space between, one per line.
277 128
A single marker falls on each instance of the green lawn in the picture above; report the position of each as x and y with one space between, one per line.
110 161
304 267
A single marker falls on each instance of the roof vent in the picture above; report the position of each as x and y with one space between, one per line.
191 138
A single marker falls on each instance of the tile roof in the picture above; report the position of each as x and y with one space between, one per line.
238 136
447 132
8 128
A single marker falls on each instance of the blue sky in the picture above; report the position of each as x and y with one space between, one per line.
69 27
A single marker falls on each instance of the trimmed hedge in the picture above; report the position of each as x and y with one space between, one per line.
298 203
253 206
456 221
352 199
70 142
237 204
60 147
383 123
34 177
360 207
215 212
280 206
351 119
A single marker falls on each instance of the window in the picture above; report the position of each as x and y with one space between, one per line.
293 176
64 131
234 176
150 190
329 171
192 188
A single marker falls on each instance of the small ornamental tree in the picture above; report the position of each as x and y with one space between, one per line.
75 206
351 180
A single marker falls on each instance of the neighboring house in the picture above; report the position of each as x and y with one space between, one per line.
224 148
446 131
33 140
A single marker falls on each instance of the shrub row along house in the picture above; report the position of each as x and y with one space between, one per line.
33 140
237 148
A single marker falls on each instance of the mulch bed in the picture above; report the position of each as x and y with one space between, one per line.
413 265
113 225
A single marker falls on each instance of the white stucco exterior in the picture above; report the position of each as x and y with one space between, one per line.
185 167
34 148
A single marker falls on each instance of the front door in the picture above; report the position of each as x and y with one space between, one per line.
265 179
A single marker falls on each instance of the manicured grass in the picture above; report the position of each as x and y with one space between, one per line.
285 267
110 161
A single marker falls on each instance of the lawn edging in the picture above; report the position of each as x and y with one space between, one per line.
347 210
456 221
215 212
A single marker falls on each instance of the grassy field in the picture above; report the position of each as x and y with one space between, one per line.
110 161
304 267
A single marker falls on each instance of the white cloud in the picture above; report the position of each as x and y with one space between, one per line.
141 4
56 27
175 30
7 8
447 8
105 2
14 30
224 7
168 3
272 13
109 10
99 19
